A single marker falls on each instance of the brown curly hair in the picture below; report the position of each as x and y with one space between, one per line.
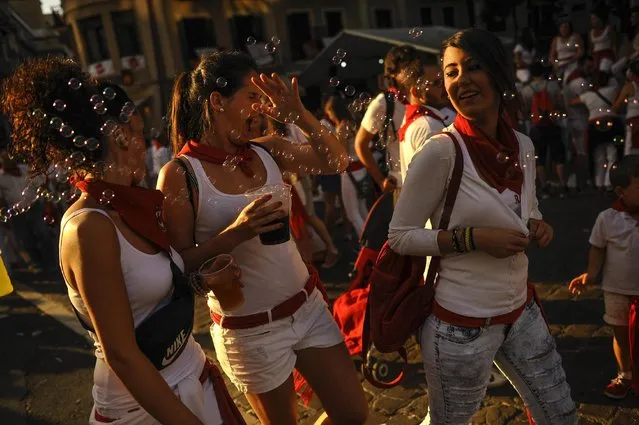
43 94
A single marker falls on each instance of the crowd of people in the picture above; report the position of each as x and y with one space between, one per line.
502 129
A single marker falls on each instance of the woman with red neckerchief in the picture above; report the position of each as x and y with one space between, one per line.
483 311
125 282
284 323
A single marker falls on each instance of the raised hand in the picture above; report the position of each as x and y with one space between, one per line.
285 104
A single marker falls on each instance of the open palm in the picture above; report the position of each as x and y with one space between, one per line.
285 104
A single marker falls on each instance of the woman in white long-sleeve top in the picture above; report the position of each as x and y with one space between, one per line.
483 309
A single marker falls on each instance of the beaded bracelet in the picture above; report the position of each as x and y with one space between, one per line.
472 239
468 239
456 243
195 283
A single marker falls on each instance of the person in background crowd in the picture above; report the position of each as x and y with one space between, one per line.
566 50
284 323
543 103
614 247
629 99
377 121
114 254
605 128
330 184
158 154
27 220
629 46
525 53
483 310
603 42
353 180
420 80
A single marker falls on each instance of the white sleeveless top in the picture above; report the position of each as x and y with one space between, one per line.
271 274
149 286
603 41
566 50
632 109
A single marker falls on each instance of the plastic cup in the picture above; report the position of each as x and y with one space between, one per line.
281 193
218 274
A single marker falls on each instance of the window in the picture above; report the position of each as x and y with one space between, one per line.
198 34
126 33
92 32
449 16
383 18
426 15
299 33
334 22
246 26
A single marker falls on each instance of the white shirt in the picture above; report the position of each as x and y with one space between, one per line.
597 108
527 56
618 233
601 42
474 284
373 122
416 136
448 114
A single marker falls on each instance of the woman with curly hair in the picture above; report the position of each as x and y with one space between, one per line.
128 290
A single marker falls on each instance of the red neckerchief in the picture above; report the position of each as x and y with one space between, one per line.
412 113
398 95
486 153
217 156
140 208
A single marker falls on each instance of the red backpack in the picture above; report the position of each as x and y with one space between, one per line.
542 108
399 301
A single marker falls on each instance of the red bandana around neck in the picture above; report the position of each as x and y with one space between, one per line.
621 206
217 156
412 113
140 208
496 160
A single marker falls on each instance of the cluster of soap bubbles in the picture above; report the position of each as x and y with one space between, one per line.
415 32
338 58
270 46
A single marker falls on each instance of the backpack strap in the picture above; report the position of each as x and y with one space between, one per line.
602 97
389 97
449 203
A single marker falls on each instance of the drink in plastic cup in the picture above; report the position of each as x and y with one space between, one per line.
218 274
281 192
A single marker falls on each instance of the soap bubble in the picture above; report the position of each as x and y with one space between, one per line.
79 141
59 105
415 32
365 97
221 82
66 131
275 40
108 127
509 95
334 82
502 157
74 84
270 47
336 60
92 144
95 99
49 219
38 114
109 93
349 90
100 108
56 123
293 117
250 41
341 53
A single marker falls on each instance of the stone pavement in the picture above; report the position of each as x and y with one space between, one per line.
583 342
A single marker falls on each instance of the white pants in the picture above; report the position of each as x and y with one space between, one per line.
605 156
354 207
198 397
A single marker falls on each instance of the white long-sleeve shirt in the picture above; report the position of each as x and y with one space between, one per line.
474 284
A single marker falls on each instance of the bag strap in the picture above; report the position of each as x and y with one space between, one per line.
358 188
390 110
191 184
602 97
449 203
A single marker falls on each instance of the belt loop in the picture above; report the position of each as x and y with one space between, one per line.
270 316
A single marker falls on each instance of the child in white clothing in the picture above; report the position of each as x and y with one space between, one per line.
615 247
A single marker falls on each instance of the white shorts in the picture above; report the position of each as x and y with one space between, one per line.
260 359
617 309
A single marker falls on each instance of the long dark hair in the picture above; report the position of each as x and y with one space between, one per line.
339 107
190 114
487 49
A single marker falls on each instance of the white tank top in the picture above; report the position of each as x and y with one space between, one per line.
270 274
603 42
566 50
149 286
632 110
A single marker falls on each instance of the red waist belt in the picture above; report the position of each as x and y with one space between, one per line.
355 166
478 322
280 311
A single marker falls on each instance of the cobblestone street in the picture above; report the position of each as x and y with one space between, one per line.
47 367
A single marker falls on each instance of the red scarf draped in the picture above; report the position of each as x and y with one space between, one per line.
140 208
412 113
489 156
217 156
